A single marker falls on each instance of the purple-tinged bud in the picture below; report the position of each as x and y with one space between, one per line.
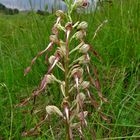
50 78
65 105
77 72
53 60
68 26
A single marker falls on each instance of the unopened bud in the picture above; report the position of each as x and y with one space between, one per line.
53 109
52 59
77 71
55 30
83 25
60 13
62 87
85 84
50 78
84 59
80 34
54 38
62 48
84 48
81 97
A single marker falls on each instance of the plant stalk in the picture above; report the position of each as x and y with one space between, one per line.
67 80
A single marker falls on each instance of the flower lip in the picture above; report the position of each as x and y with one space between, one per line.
68 26
85 3
81 3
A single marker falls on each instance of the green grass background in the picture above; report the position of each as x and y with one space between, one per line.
118 43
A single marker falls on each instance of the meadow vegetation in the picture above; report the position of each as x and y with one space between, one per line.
118 43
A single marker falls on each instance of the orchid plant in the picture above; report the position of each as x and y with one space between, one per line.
75 87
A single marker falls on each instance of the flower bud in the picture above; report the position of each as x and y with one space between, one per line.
85 84
80 34
85 113
60 13
62 87
55 30
62 48
50 78
80 97
77 71
84 59
84 48
53 109
52 59
54 38
83 25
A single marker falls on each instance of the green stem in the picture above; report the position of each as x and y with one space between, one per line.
66 78
68 3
